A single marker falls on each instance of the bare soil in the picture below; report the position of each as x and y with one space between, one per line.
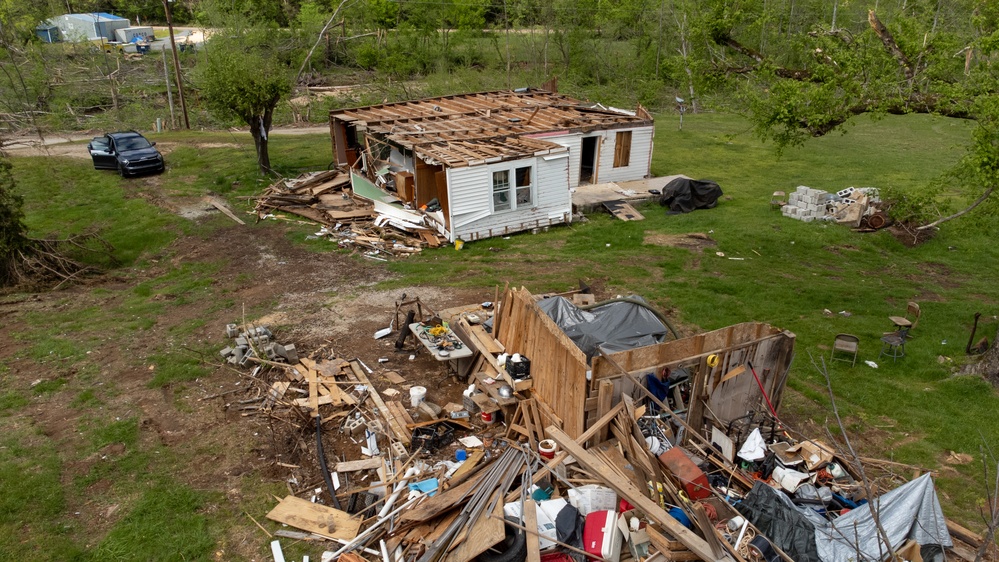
312 300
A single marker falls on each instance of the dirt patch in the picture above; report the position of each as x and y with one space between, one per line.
695 241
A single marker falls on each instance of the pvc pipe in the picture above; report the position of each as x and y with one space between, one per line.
363 536
276 551
742 533
410 472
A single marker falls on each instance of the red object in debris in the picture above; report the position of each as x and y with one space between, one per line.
624 507
601 537
556 557
693 480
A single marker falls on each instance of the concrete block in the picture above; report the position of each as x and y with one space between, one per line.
288 352
231 331
375 426
354 426
241 341
246 357
227 351
807 219
398 450
270 350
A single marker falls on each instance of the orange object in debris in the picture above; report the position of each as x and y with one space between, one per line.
693 480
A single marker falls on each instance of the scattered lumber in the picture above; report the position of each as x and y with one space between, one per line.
326 198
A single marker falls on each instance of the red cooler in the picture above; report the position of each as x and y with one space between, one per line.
601 536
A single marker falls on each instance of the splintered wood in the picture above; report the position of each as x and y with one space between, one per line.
326 198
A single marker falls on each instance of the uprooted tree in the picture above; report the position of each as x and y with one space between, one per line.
812 85
46 262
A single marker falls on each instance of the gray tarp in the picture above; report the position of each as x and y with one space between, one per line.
911 511
615 326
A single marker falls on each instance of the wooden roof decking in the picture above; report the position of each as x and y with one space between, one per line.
448 120
460 153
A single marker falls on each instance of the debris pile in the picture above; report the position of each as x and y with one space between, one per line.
847 206
427 483
326 198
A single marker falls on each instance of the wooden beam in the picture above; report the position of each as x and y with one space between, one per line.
531 522
635 497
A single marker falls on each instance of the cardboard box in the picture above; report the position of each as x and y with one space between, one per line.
815 453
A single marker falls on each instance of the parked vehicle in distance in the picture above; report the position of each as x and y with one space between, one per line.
128 152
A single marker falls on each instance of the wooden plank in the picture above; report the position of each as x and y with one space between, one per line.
483 534
394 377
400 413
448 499
467 467
636 497
623 211
531 522
605 397
397 428
363 464
487 340
315 518
485 403
225 210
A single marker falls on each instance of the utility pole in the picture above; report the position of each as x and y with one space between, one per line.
176 64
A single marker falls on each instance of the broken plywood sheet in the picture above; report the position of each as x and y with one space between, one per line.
315 518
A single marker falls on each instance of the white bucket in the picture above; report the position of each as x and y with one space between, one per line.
416 395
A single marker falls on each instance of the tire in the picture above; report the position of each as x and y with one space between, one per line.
513 547
121 171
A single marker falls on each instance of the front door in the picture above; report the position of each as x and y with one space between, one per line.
588 160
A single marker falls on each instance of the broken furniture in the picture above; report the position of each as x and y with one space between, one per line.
893 344
845 344
778 200
910 319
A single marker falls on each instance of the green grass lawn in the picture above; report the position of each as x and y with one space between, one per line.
790 273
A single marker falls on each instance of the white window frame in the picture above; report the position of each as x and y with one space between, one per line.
511 187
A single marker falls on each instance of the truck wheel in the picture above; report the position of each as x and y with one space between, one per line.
121 171
513 547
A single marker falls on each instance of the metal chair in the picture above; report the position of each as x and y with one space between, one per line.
908 321
778 200
893 344
845 343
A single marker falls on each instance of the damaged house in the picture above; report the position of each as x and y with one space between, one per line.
491 163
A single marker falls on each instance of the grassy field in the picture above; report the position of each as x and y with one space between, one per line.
914 411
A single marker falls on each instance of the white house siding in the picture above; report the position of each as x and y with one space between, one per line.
638 167
638 163
470 196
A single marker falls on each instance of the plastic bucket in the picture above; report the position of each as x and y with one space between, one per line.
489 417
416 395
547 449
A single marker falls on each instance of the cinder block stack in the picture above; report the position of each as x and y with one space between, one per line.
806 204
257 339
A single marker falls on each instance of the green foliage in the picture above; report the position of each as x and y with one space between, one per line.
13 239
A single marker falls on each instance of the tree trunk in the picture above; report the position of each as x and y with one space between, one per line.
260 127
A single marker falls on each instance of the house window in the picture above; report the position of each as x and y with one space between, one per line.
524 198
501 190
622 149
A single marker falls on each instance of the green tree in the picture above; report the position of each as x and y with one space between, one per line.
13 240
243 72
814 83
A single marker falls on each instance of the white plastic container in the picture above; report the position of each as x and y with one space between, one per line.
416 395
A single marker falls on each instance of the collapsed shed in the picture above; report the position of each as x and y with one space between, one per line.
492 163
572 387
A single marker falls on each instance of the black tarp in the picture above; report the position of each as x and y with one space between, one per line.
776 517
615 326
683 195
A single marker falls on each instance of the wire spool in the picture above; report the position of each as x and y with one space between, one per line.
712 360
